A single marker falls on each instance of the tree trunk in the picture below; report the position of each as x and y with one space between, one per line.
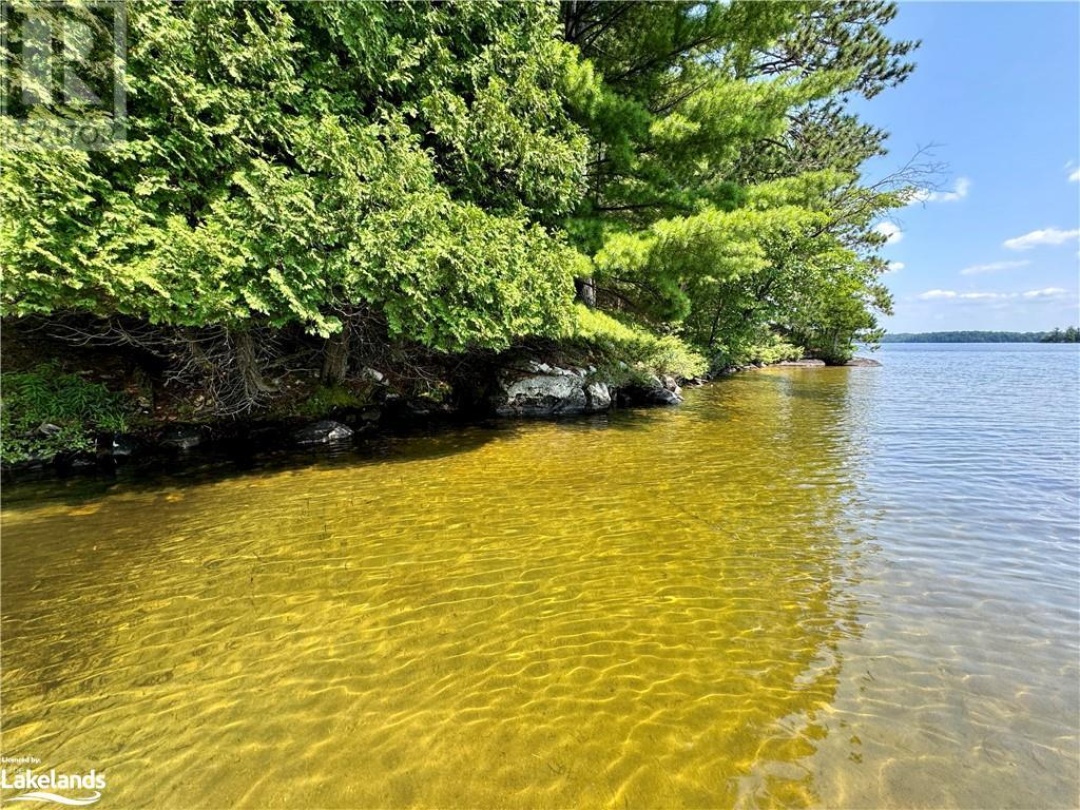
586 291
254 386
336 356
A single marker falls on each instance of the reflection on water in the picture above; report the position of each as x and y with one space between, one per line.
965 684
704 607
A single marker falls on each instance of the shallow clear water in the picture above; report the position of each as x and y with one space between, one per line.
837 587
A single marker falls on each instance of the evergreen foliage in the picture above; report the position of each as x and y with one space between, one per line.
288 162
450 175
723 186
1070 335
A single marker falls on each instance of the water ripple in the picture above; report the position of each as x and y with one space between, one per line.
831 587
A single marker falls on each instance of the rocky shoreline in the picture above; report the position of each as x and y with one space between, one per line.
530 390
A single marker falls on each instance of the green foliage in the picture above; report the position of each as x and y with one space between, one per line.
724 194
776 351
843 37
327 399
1070 335
765 347
635 347
286 162
447 170
44 412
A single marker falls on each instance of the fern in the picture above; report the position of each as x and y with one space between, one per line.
44 412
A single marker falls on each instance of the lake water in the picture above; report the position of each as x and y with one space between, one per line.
828 587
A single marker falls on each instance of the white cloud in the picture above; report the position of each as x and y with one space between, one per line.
930 295
987 296
993 267
925 195
1075 176
952 295
1047 236
894 267
1049 292
891 232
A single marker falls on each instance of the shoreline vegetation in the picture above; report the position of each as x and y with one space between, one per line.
109 440
357 208
1069 335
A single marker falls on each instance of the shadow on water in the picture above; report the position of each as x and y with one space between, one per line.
403 444
646 609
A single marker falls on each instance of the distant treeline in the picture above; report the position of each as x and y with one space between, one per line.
1070 335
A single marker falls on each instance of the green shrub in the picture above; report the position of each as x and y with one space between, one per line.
776 351
44 412
642 352
766 348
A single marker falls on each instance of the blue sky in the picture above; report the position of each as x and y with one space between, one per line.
997 91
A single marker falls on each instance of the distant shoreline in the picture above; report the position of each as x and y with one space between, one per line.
1056 336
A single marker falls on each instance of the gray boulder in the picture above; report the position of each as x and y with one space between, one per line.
598 397
555 394
672 386
661 396
373 374
324 431
182 437
124 445
654 392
